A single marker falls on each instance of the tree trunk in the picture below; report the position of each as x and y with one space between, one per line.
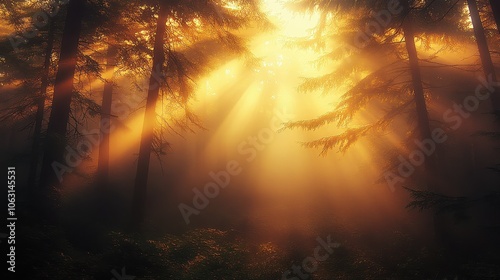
35 151
484 52
418 90
107 96
430 165
63 92
495 7
141 180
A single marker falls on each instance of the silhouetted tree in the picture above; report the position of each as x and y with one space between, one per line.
495 7
484 51
387 80
107 97
418 89
141 180
63 93
173 70
393 83
37 133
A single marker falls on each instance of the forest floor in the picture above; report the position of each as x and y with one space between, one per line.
66 252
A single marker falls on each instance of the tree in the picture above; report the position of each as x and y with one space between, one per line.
37 133
115 23
484 52
46 23
395 82
149 118
63 93
107 96
202 23
386 82
495 7
418 89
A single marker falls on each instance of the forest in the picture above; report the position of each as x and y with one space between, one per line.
250 139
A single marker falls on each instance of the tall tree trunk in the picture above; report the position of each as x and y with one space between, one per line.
439 229
141 180
107 97
418 90
35 151
495 7
63 92
484 52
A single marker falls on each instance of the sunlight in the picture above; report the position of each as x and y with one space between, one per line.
241 139
468 21
291 24
124 139
270 85
130 130
232 5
